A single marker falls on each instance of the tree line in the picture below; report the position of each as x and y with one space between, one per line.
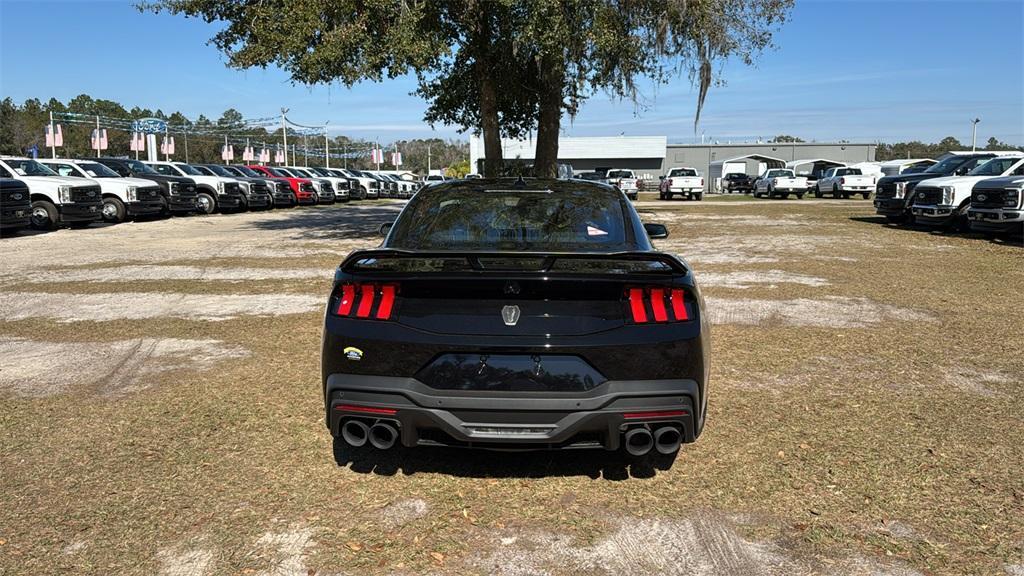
23 126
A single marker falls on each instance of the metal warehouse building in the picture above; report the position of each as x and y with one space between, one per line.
652 156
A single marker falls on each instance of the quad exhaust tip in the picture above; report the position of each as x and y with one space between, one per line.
383 435
638 441
355 433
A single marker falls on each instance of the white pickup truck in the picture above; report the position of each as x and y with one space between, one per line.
844 182
946 201
624 180
56 200
122 197
213 192
681 180
780 182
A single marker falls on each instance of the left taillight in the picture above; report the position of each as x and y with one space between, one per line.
370 301
657 304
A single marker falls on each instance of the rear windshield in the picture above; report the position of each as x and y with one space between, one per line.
474 219
620 174
682 172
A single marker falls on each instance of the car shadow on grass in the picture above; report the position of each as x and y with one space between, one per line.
336 222
596 463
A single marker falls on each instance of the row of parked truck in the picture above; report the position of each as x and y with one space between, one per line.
50 192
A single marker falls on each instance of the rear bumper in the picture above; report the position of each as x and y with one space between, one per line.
510 421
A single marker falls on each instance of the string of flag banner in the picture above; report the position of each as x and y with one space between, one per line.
139 130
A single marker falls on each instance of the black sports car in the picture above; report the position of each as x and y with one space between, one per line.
516 314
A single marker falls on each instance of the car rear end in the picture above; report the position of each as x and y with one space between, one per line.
515 349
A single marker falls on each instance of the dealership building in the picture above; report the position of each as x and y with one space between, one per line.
652 156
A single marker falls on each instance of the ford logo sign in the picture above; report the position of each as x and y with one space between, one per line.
91 194
16 196
982 197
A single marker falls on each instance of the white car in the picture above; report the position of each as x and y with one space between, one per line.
625 180
56 199
780 182
213 192
842 182
681 180
342 186
122 197
946 201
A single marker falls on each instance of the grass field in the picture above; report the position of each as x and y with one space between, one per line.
161 412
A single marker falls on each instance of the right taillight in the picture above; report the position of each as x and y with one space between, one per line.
370 301
657 304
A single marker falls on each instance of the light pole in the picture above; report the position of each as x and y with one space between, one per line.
284 132
974 134
327 147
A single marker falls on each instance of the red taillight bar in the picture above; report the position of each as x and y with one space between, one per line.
645 303
359 300
654 414
366 409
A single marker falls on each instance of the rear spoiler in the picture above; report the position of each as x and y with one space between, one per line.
378 259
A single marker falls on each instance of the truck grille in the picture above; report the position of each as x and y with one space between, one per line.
148 193
307 187
886 190
283 186
16 196
232 188
86 194
183 189
928 196
327 187
258 188
988 198
343 185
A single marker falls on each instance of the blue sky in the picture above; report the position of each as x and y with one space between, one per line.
854 70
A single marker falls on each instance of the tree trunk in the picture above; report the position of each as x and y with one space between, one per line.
549 120
493 160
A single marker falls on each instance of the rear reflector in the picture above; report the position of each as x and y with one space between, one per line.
649 302
654 414
366 409
361 301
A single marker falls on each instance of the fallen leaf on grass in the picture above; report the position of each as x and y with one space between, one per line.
438 557
354 546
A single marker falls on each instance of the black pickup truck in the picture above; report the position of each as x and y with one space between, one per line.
179 193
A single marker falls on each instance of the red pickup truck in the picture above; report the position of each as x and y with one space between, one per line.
303 187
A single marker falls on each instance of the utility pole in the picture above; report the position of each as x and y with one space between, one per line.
98 154
186 145
284 132
167 143
344 153
974 134
428 159
305 151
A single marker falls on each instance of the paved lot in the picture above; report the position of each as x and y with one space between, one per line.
160 412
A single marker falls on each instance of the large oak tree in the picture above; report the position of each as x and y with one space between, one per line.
499 67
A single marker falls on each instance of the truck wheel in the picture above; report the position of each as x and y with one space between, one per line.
698 196
835 191
205 204
113 210
363 193
44 215
800 196
243 204
960 223
771 193
817 191
866 195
